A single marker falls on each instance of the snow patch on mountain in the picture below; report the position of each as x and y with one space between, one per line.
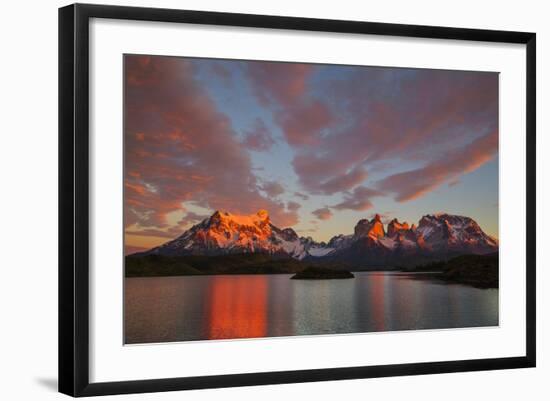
227 233
388 242
319 251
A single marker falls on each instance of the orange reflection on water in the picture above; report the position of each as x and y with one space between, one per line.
378 301
237 307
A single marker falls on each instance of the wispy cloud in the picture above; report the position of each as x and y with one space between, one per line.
323 213
293 206
272 188
301 195
415 183
359 199
258 138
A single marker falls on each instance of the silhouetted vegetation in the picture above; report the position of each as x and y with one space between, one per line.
256 263
476 270
321 273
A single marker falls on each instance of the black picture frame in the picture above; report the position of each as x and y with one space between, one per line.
74 198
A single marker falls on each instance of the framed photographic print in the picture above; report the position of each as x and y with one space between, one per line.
249 199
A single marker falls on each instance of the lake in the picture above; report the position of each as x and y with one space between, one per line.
184 308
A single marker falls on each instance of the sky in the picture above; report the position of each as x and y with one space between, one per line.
317 146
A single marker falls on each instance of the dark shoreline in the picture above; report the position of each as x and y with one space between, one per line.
318 273
480 271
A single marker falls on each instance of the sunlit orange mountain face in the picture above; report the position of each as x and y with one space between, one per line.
372 242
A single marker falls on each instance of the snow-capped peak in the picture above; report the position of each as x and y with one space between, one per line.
228 233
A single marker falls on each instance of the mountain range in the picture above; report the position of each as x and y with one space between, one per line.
437 236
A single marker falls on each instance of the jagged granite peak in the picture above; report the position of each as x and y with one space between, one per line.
339 241
260 219
447 231
287 234
373 228
228 233
290 235
437 235
395 227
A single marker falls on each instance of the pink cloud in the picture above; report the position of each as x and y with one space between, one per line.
273 188
324 174
359 199
344 181
222 72
412 114
279 82
129 249
385 116
327 171
303 122
180 148
283 87
322 213
153 232
192 218
293 206
416 183
258 138
301 195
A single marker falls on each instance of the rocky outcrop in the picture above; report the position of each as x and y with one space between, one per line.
438 235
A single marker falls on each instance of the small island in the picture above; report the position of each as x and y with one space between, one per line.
320 273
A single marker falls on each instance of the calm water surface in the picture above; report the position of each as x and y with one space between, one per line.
159 309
